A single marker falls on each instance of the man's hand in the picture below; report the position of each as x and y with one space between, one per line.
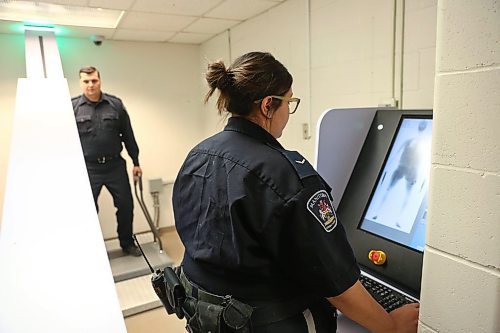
137 172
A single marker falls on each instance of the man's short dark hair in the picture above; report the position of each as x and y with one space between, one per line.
89 70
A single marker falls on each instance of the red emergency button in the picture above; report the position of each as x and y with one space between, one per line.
377 257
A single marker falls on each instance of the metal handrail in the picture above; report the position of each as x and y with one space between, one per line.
140 199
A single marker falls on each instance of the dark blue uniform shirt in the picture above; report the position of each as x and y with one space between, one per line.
103 126
257 221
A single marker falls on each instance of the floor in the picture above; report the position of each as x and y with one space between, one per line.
158 320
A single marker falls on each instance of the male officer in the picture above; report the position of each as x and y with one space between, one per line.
103 124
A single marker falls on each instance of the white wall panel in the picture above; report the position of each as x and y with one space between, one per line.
50 224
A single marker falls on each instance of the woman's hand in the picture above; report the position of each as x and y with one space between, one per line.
406 318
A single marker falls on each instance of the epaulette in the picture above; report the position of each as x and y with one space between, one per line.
112 96
74 101
303 168
115 102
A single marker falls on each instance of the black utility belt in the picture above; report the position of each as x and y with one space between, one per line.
212 310
102 159
207 312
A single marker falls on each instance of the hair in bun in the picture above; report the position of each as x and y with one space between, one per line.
251 77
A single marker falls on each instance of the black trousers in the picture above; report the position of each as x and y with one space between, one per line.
113 175
318 318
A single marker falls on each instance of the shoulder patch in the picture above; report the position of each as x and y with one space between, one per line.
299 163
320 206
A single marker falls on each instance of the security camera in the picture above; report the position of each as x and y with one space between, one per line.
97 39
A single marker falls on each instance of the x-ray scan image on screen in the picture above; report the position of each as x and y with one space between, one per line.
398 206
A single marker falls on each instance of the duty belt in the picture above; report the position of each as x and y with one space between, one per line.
207 312
262 315
200 294
101 159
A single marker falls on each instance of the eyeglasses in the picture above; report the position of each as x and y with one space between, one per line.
293 102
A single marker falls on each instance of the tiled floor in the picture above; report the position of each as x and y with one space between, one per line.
157 320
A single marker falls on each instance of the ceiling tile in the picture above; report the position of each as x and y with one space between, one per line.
240 10
11 27
177 21
66 2
210 25
116 4
84 32
157 22
177 7
57 14
190 38
142 35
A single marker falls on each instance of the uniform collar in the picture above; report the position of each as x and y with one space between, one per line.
242 125
84 100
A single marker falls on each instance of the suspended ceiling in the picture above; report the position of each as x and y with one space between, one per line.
175 21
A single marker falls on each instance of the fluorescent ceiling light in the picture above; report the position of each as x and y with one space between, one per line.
47 13
38 28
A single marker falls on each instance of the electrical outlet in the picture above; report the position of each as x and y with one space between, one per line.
389 103
156 185
305 131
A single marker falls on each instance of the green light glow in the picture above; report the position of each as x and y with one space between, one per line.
38 28
61 31
38 23
17 27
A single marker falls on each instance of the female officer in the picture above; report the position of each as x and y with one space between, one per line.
257 221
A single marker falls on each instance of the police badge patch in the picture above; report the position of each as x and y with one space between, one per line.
321 207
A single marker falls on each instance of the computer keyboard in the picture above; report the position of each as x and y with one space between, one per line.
389 298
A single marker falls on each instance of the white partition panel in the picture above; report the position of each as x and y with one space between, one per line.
55 274
42 55
340 137
34 55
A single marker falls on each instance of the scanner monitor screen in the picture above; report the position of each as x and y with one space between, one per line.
397 209
384 205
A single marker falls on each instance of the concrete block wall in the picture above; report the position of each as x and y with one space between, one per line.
341 54
461 277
